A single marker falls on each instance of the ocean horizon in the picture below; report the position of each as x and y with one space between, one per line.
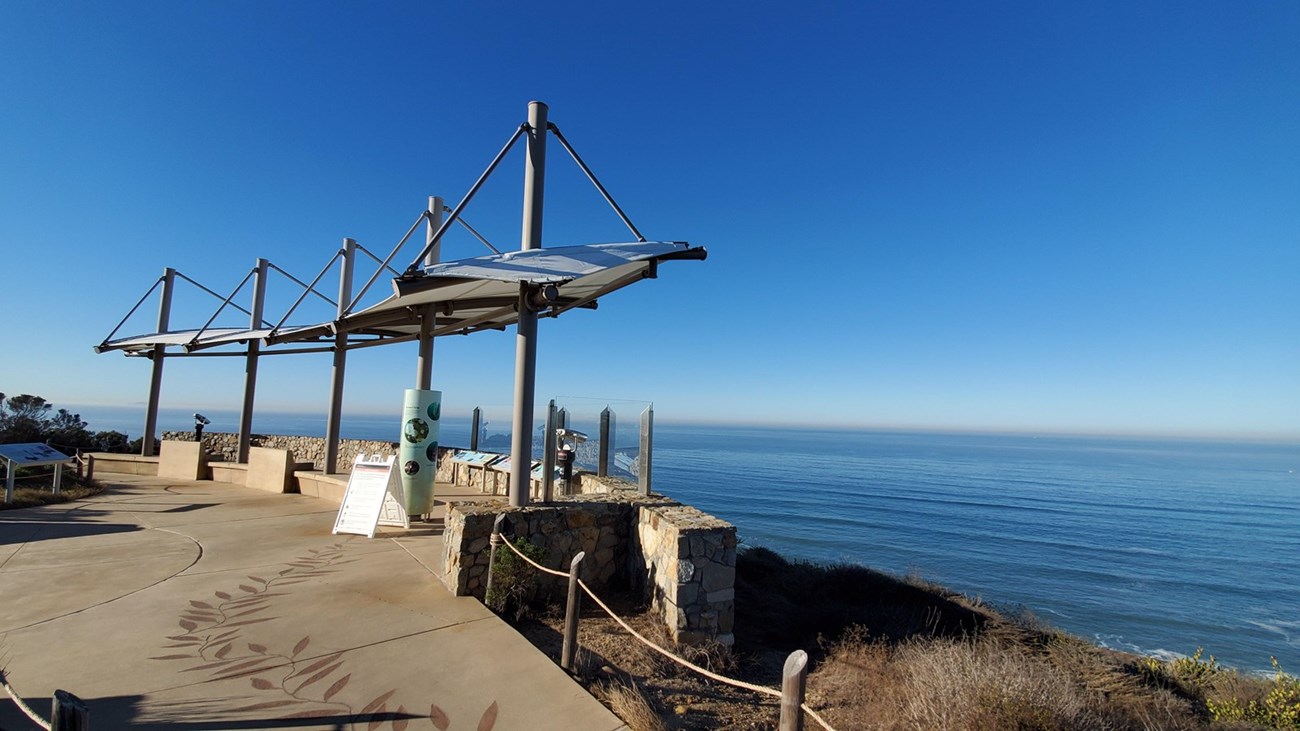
1151 545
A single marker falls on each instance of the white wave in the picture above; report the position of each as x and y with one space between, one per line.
1288 630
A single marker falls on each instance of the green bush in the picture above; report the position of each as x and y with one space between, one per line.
515 584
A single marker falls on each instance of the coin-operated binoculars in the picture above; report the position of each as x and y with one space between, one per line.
567 454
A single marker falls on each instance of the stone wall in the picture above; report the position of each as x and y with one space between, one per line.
598 525
682 560
689 560
304 449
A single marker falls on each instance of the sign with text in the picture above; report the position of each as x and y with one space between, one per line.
373 497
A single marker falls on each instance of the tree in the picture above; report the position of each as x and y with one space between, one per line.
23 419
67 430
113 441
27 419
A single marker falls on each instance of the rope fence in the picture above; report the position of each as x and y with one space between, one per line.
799 658
22 705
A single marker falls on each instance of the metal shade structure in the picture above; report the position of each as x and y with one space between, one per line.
484 292
429 299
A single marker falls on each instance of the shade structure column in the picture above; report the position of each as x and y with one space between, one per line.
148 446
521 436
250 364
333 419
429 315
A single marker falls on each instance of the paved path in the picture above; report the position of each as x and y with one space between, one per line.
202 605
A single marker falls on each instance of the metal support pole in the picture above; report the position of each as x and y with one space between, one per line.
429 315
148 445
562 419
793 679
548 455
424 358
250 367
521 438
337 373
571 612
494 541
434 223
647 448
58 478
9 482
602 461
474 429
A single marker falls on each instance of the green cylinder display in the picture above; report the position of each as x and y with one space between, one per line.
419 453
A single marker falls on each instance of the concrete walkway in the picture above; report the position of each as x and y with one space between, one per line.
201 605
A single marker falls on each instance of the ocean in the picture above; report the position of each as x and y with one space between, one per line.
1147 545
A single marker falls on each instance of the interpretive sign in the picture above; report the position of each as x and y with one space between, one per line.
30 455
373 498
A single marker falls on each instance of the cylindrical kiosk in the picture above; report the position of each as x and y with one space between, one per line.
418 457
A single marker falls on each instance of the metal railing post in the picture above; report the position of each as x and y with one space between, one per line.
548 455
474 429
571 611
793 682
647 448
602 461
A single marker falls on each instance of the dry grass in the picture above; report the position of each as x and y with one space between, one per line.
894 654
35 495
628 703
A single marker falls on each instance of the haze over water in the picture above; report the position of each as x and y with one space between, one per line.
1155 546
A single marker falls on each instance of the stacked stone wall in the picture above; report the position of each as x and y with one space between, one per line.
683 561
689 560
304 449
598 526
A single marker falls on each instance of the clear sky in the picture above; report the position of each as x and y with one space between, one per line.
1017 216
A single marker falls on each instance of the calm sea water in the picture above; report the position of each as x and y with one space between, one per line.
1154 546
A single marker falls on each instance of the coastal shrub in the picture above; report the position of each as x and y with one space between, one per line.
1189 675
515 584
949 683
1279 709
789 604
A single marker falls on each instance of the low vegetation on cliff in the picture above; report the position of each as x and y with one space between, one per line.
890 654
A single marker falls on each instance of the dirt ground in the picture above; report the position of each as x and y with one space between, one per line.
679 697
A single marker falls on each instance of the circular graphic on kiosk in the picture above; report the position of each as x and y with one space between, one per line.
411 467
435 410
432 452
416 430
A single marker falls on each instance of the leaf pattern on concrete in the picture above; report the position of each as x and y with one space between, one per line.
212 633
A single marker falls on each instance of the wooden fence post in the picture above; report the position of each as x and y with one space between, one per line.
492 556
68 713
793 678
494 541
571 612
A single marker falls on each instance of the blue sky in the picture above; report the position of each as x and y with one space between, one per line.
1014 216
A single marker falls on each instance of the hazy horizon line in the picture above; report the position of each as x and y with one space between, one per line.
806 424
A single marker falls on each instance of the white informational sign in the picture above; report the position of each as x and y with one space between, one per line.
373 498
30 455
